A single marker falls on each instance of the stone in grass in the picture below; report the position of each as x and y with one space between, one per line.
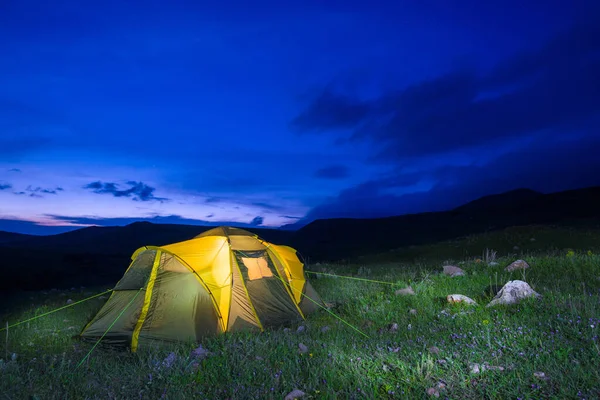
294 394
393 327
459 298
475 368
434 350
452 270
433 392
516 265
302 348
513 292
412 311
407 291
541 375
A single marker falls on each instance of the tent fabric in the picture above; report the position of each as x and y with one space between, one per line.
223 280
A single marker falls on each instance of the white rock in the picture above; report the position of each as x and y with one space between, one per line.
405 292
459 298
513 292
294 394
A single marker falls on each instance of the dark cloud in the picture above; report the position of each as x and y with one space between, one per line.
268 206
5 186
547 166
138 191
333 172
39 191
332 111
553 87
257 221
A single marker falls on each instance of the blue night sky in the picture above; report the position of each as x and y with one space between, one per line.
268 113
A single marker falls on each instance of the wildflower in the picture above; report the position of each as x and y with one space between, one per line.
570 253
486 322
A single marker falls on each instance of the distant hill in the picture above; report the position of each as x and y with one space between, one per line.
513 199
101 254
344 238
8 237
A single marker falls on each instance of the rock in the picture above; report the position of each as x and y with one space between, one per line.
412 311
300 329
69 301
434 350
433 392
405 292
519 264
513 292
452 270
541 375
475 368
302 348
294 394
459 298
393 327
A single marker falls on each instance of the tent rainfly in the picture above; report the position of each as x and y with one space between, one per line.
225 279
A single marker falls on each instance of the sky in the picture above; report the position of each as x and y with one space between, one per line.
271 113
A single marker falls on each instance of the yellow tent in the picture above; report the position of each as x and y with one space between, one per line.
225 279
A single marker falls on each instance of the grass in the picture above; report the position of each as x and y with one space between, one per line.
433 349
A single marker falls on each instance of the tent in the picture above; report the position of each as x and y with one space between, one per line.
223 280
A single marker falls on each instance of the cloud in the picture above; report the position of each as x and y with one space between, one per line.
257 221
138 191
38 190
14 170
5 186
333 172
552 87
545 166
332 111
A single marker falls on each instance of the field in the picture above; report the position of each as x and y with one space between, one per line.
372 344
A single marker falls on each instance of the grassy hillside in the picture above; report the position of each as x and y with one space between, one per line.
413 344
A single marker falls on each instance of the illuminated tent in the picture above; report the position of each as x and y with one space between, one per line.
225 279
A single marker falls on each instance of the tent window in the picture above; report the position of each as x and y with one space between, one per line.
257 267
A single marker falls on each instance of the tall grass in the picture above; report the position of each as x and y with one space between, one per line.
434 349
